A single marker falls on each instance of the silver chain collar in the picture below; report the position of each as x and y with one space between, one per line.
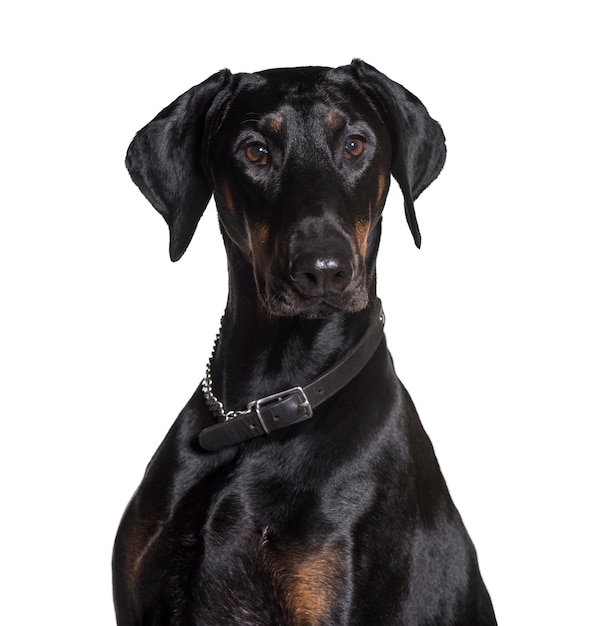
216 406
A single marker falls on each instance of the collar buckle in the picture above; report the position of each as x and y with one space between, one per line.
282 409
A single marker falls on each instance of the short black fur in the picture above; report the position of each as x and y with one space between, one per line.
344 519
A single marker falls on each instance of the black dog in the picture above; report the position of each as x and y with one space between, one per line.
297 486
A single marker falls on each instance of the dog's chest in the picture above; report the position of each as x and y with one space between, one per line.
232 570
298 571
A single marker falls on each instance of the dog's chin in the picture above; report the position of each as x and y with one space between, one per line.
295 305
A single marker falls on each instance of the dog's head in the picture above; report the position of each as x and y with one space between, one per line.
299 161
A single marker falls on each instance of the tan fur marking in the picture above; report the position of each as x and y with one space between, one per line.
227 195
274 123
314 588
381 186
362 231
335 120
308 584
142 538
262 233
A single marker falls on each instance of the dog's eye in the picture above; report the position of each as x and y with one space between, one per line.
257 153
353 147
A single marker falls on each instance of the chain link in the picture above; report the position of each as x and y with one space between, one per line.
216 406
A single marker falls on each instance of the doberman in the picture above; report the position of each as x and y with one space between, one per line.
297 486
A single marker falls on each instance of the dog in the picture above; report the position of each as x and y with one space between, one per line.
297 486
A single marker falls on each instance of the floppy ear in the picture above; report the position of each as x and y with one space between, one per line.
418 143
166 159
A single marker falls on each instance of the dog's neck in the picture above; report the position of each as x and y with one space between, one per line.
259 354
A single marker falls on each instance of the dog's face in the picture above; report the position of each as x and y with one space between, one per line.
299 161
301 167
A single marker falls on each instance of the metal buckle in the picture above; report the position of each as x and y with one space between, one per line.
267 401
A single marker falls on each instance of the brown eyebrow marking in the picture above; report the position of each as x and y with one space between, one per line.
335 120
274 123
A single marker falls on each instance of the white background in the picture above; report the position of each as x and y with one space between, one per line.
501 326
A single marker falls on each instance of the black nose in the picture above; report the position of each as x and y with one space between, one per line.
317 274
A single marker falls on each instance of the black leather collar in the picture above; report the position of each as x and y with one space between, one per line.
295 405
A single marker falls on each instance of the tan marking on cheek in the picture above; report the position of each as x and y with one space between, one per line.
260 246
230 216
362 227
227 197
382 179
262 234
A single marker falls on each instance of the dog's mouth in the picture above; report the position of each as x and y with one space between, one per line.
284 300
321 308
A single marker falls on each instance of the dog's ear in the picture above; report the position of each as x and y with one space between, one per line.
166 159
418 142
